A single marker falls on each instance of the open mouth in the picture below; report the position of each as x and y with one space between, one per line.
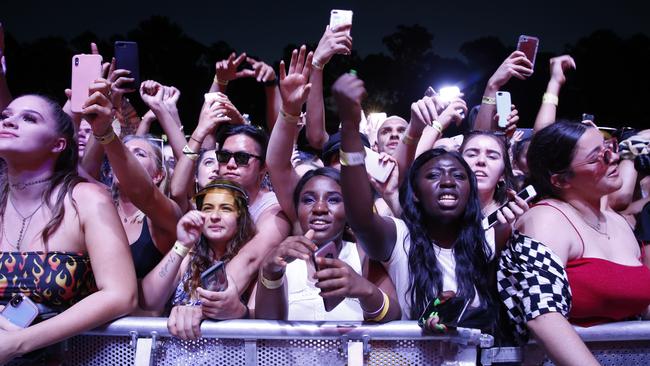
448 199
319 224
480 174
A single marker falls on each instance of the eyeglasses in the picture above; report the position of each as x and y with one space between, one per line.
241 158
606 154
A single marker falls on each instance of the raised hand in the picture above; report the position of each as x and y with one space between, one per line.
262 72
119 78
226 70
189 227
295 86
512 120
516 65
98 109
3 66
170 97
349 91
334 41
559 65
454 113
152 93
423 112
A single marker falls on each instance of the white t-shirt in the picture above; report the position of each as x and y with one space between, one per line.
304 300
397 266
261 204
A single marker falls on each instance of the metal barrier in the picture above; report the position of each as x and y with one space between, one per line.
146 341
623 343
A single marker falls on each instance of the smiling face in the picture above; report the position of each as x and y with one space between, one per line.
591 176
221 212
485 157
320 208
389 134
28 129
442 188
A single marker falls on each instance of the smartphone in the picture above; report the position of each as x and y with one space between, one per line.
450 311
338 17
588 117
503 107
375 168
85 70
214 278
448 93
528 45
328 250
126 57
526 194
21 311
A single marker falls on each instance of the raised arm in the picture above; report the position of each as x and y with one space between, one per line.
516 65
226 71
264 73
294 89
137 184
5 94
334 41
546 115
375 233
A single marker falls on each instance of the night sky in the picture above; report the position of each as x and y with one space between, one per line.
265 27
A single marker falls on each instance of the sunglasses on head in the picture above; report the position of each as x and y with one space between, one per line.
241 158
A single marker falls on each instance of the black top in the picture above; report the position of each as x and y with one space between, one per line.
145 254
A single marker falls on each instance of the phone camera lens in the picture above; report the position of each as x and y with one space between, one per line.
76 61
16 301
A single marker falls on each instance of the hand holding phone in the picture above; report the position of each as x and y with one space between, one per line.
340 17
503 108
330 251
85 70
380 171
448 308
528 45
215 278
526 194
21 311
126 57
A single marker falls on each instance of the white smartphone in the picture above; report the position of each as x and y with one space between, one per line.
526 194
339 17
85 70
21 311
376 169
503 107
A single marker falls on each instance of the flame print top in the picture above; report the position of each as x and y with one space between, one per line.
57 280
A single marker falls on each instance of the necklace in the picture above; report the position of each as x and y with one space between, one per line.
20 185
136 217
24 226
596 227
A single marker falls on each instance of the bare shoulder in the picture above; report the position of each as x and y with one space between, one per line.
274 216
87 192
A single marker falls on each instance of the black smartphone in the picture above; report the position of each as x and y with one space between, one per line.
450 311
126 57
214 278
526 194
328 250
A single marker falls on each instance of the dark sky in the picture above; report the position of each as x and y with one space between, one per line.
265 27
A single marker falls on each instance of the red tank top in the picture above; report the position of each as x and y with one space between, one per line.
605 291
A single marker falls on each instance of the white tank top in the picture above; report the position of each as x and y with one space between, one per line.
305 303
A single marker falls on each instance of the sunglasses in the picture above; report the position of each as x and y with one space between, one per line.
606 154
241 158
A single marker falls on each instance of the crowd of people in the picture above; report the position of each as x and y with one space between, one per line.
100 220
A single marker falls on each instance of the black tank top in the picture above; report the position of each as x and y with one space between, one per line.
145 254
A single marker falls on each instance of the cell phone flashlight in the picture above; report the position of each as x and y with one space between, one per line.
526 194
449 93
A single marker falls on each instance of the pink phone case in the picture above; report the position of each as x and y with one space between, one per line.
528 45
85 70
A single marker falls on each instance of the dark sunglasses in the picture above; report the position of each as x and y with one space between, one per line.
241 158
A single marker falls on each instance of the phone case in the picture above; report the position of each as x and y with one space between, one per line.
450 311
85 70
528 45
338 17
21 311
126 57
214 278
377 170
503 107
526 194
328 251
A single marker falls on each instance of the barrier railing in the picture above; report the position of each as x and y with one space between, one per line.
623 343
146 341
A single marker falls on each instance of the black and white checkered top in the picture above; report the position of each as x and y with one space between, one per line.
531 281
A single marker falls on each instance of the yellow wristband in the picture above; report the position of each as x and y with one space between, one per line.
107 138
180 249
317 65
271 284
217 81
437 126
489 100
408 140
549 98
352 158
384 311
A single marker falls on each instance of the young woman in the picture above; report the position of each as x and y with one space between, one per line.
439 245
576 260
49 217
291 284
216 232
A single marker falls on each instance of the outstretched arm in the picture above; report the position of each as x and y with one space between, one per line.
226 71
547 112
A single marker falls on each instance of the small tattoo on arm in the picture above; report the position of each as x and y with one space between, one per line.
165 270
